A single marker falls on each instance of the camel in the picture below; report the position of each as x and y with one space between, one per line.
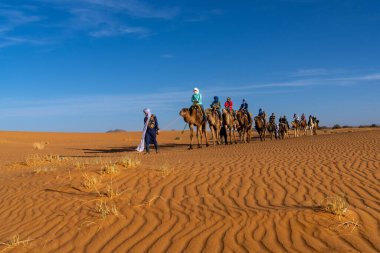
283 130
244 126
313 125
229 124
260 127
303 126
296 126
214 124
316 123
271 127
194 118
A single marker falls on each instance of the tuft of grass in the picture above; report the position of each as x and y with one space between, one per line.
109 169
129 162
336 205
13 242
89 182
80 166
42 170
104 210
178 138
111 192
39 160
351 224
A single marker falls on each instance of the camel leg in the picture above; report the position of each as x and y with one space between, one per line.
191 136
199 136
218 135
204 129
213 135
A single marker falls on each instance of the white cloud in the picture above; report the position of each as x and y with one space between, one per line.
134 8
6 41
96 18
110 32
18 17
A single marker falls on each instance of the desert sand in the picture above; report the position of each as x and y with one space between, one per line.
90 192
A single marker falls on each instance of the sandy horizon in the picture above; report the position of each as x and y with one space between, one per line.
91 192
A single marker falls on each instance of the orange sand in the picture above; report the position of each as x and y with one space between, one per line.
256 197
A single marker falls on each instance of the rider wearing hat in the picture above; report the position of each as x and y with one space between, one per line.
244 107
272 118
228 105
216 104
196 98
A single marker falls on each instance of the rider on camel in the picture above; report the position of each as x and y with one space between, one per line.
286 121
296 118
244 108
196 99
228 105
303 117
262 115
261 112
272 119
216 104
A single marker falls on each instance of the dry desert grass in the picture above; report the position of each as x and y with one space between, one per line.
97 195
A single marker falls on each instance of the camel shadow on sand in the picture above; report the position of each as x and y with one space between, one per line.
129 149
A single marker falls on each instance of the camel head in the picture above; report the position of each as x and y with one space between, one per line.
184 112
259 121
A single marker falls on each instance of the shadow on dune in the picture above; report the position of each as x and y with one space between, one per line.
78 192
129 149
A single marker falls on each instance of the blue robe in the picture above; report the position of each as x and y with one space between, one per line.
151 133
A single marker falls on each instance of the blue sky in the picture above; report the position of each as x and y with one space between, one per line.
93 65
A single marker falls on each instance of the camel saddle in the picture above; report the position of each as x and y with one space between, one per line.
196 107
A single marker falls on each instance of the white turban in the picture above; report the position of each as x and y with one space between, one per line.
196 90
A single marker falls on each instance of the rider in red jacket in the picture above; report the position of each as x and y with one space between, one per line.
228 104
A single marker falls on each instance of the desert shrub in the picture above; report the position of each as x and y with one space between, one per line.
336 205
104 210
13 242
89 182
129 162
109 169
336 126
39 160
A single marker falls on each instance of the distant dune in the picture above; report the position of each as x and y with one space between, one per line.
94 193
117 131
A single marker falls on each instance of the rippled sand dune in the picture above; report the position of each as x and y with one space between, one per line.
258 197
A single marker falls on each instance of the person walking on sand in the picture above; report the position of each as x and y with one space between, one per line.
150 132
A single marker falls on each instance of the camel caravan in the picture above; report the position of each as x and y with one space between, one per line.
229 123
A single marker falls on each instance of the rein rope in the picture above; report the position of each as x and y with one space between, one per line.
184 129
